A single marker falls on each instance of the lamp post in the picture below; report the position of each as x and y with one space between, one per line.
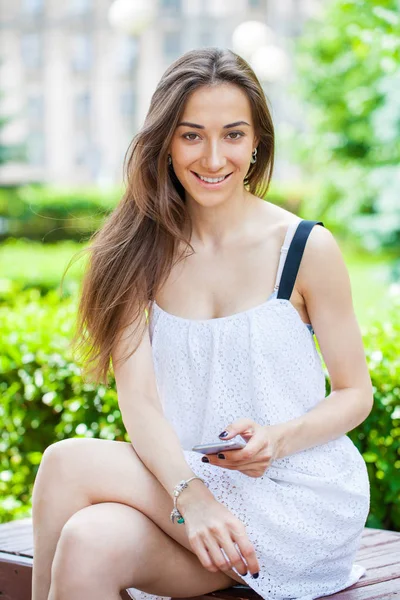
135 18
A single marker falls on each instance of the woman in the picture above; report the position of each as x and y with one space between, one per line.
219 355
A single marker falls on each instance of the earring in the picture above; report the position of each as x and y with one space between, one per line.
253 156
169 159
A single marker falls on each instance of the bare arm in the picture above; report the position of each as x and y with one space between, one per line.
152 436
325 285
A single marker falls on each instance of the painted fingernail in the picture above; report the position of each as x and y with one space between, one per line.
223 434
205 459
255 575
220 455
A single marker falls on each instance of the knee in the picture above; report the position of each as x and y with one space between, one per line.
57 455
79 557
57 464
59 451
92 551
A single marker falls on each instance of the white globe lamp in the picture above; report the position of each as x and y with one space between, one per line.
270 63
131 17
249 36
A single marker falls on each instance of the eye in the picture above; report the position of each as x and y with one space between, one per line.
239 134
233 135
186 136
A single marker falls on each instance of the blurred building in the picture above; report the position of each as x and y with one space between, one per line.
77 90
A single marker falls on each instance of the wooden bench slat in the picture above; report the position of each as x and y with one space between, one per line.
379 553
377 540
20 543
382 560
370 531
382 591
379 574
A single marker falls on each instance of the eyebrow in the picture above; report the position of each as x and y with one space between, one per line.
196 126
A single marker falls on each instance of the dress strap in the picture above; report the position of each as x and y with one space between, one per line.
291 255
284 250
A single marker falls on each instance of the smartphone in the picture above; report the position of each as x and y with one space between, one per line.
215 447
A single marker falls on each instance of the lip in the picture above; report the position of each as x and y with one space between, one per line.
211 186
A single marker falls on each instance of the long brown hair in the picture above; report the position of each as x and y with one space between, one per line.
131 256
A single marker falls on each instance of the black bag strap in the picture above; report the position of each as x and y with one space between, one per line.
294 256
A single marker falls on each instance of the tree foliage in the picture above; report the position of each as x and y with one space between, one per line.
348 74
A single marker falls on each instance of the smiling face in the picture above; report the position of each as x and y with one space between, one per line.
212 145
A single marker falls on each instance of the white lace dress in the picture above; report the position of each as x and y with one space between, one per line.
306 514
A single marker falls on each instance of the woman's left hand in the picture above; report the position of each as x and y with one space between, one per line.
264 445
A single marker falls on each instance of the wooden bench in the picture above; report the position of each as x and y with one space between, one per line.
379 553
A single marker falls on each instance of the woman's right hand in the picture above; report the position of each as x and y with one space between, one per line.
211 526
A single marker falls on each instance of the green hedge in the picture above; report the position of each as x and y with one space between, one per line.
43 396
44 400
379 435
50 214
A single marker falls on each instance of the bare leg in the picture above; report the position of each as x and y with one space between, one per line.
77 473
109 547
52 505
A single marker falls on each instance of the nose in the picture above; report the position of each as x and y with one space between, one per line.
213 159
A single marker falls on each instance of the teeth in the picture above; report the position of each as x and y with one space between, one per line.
214 180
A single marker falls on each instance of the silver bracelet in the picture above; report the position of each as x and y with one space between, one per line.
177 490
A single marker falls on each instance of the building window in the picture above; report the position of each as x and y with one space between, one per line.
33 7
128 104
35 141
82 108
81 53
172 45
80 7
171 5
32 50
35 149
127 55
82 149
35 109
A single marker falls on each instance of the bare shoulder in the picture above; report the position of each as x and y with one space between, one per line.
277 219
320 240
323 263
